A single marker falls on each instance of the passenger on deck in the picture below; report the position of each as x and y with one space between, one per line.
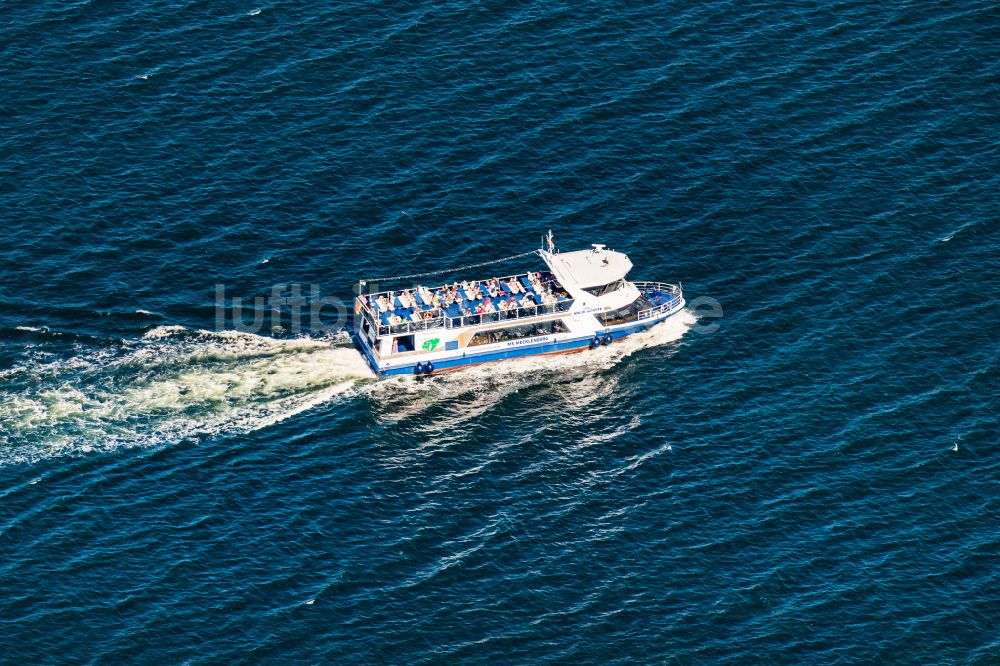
383 303
528 301
415 316
395 320
435 301
515 286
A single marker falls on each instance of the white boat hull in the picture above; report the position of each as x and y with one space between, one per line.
583 335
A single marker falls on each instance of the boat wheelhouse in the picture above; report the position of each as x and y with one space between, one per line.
582 301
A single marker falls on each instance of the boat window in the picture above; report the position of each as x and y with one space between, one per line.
517 332
628 313
605 288
402 343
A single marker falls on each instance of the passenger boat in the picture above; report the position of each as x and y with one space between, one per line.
582 301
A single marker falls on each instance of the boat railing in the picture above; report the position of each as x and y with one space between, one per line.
507 278
508 315
362 308
442 320
673 292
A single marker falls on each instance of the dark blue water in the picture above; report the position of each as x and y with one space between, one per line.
813 482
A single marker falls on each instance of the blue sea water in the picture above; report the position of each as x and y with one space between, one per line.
813 481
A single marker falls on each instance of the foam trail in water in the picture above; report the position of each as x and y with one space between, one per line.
174 383
177 383
957 231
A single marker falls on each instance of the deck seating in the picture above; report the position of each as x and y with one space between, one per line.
537 289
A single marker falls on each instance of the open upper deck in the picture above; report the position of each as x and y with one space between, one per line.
463 303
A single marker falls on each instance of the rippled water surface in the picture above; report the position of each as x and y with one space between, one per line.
813 482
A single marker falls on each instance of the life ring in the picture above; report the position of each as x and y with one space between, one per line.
595 342
608 339
418 369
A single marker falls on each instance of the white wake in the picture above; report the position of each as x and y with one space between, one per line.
173 384
176 383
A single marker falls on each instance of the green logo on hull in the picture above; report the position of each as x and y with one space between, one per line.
429 345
